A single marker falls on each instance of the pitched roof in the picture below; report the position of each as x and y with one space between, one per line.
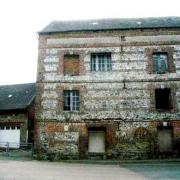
111 24
17 96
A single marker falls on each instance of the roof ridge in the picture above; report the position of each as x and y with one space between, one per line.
116 18
112 24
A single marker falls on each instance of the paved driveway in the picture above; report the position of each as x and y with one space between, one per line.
34 170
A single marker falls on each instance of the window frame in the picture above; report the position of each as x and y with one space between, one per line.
74 102
157 69
101 62
170 59
173 100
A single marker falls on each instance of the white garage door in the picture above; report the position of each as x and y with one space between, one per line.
10 135
96 141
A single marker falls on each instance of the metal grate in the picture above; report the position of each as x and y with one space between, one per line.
16 150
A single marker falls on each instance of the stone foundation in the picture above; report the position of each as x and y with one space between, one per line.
123 140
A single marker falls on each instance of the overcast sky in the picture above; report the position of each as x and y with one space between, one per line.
20 20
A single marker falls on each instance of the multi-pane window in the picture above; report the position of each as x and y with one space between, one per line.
71 100
101 62
160 62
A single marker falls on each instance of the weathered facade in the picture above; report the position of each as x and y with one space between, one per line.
17 114
109 87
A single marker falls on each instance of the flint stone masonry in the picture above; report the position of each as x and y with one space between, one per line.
66 136
49 104
124 65
135 97
51 67
50 94
50 86
119 102
50 59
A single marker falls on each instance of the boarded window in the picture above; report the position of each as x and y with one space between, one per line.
71 65
160 62
71 100
96 142
165 140
101 62
163 99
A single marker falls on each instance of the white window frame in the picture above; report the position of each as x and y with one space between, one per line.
101 62
74 99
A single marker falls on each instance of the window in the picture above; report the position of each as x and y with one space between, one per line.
71 100
71 65
101 62
163 99
160 62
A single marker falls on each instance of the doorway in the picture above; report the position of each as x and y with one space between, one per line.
165 139
96 141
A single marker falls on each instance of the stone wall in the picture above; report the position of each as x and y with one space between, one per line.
123 96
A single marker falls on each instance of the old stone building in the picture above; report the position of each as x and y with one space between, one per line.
109 88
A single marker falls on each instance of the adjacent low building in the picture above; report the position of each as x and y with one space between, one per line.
17 114
109 88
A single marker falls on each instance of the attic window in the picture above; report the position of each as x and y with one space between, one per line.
71 65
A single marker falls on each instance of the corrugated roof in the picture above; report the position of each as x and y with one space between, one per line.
111 24
17 96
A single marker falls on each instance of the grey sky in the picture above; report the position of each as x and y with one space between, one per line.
21 19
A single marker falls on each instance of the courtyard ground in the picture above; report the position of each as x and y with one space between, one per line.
36 170
159 171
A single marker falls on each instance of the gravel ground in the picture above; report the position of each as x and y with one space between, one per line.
155 170
35 170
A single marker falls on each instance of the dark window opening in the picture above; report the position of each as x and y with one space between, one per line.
160 62
163 99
